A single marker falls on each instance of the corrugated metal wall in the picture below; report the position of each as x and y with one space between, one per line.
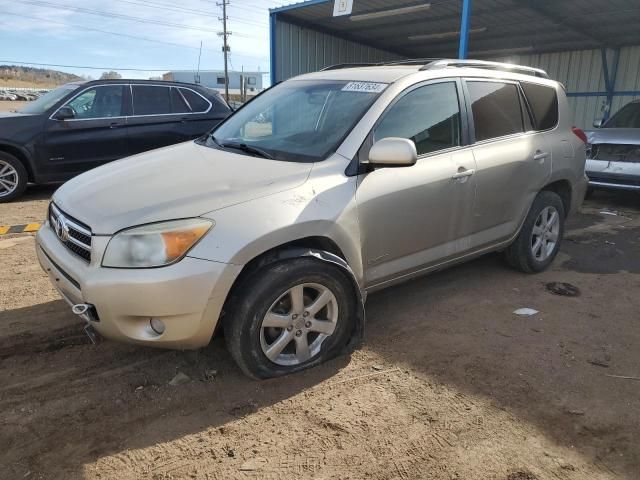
581 71
301 50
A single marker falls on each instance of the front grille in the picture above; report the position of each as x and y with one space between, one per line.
615 152
75 235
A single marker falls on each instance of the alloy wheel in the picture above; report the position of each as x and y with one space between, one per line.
546 231
297 323
8 179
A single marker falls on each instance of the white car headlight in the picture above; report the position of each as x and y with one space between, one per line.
156 244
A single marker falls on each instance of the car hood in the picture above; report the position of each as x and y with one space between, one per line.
628 136
180 181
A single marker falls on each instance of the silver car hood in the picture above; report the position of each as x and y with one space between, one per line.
627 136
180 181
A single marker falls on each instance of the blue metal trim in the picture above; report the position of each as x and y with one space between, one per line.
465 22
624 93
272 47
307 3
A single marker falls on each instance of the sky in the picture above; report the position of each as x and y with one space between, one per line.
163 35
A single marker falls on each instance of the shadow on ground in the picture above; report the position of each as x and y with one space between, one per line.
68 403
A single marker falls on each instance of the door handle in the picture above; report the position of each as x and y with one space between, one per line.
462 173
540 156
114 125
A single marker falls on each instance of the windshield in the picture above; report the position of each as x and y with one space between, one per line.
298 120
627 117
48 100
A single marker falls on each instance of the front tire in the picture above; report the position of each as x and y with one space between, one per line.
13 177
289 316
539 240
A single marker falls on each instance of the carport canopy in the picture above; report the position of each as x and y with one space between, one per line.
431 29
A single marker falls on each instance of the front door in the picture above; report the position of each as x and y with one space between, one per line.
97 133
415 217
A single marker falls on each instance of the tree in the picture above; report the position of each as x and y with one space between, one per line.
111 75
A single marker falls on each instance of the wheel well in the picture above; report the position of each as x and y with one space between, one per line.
16 152
316 243
563 189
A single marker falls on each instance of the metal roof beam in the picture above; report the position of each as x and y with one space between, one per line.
543 8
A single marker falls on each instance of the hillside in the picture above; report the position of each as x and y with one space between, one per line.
18 76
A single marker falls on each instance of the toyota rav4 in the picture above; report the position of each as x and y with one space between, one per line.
326 187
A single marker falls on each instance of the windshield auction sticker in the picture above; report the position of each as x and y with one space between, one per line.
366 87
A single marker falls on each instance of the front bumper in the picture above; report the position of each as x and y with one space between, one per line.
187 296
612 174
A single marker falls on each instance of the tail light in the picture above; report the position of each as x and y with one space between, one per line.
578 132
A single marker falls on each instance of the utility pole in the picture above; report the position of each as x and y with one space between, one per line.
225 47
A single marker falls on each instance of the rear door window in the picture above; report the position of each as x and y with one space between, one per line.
178 103
151 100
496 109
543 101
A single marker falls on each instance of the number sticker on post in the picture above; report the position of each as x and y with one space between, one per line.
366 87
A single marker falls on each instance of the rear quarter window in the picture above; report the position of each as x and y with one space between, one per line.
543 101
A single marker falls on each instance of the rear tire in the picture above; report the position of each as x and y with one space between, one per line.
274 325
540 237
13 177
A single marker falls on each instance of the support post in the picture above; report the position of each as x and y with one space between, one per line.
465 23
272 47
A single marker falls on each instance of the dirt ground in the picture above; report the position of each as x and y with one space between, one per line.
449 384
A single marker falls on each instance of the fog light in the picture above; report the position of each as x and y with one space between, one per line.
157 326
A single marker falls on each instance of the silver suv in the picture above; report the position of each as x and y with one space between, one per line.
324 188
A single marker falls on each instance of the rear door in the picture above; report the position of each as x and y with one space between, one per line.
153 124
513 160
96 135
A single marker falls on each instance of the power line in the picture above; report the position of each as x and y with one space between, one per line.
118 34
13 62
102 13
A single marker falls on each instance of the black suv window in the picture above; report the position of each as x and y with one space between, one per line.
196 102
429 115
151 100
496 109
178 103
544 104
98 102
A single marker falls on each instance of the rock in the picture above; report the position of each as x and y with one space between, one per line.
210 374
139 388
378 367
231 453
575 412
179 379
527 312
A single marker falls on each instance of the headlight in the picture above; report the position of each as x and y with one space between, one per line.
156 244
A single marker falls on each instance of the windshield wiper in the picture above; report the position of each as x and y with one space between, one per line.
245 148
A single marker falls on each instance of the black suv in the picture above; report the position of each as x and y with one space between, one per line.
79 126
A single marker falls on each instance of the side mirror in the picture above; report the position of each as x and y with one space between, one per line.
598 123
393 152
64 113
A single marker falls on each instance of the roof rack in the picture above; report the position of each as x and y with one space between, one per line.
508 67
408 61
434 63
